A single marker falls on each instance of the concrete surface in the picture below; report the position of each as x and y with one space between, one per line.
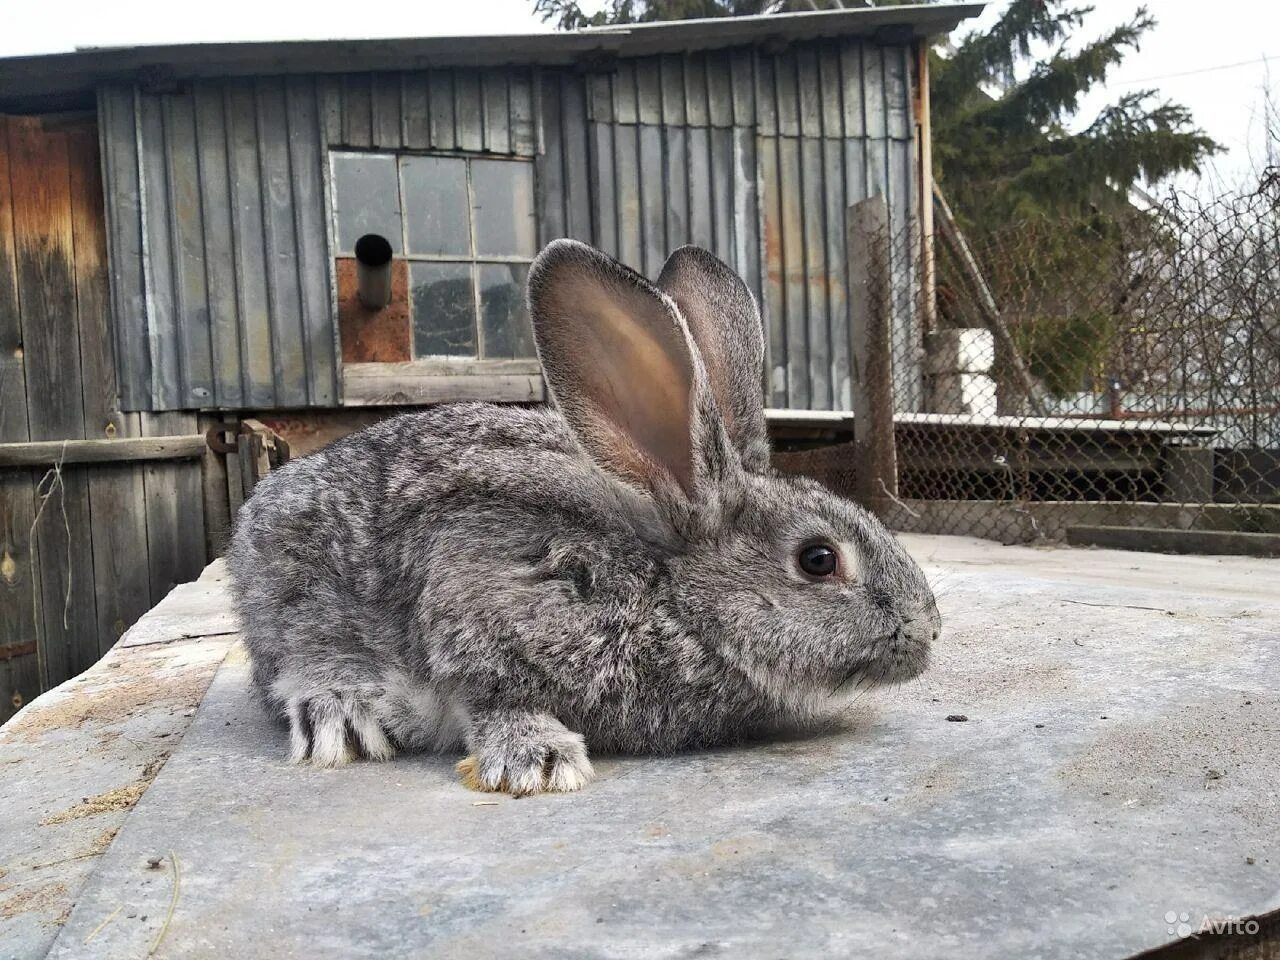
1118 762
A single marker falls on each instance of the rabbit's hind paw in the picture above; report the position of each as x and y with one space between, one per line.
330 730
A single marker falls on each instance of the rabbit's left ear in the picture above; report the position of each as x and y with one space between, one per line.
724 321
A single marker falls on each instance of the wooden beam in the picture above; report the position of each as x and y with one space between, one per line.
1211 542
870 353
48 452
418 382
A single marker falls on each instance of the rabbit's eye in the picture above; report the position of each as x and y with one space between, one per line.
818 559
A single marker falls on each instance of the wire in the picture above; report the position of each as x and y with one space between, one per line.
1191 73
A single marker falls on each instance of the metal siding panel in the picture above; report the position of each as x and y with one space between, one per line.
249 247
698 160
627 196
719 90
283 289
773 280
793 271
468 110
523 117
357 110
124 243
416 109
191 291
306 166
817 316
219 259
653 199
387 111
157 254
440 96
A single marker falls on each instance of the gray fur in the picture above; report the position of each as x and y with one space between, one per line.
470 575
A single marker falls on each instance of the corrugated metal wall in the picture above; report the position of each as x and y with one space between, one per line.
754 155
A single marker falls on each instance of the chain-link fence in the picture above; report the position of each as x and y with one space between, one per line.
1099 373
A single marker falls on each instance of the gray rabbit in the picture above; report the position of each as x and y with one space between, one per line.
622 569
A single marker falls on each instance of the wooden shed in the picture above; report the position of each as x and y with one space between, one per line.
177 230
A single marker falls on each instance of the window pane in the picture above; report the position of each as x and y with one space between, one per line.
502 194
507 332
443 309
366 198
435 205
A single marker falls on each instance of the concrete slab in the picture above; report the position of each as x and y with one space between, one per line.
1118 763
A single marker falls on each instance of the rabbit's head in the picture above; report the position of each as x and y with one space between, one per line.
797 589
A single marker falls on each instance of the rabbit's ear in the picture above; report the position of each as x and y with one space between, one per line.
724 322
619 362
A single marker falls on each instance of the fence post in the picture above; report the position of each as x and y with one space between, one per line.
870 351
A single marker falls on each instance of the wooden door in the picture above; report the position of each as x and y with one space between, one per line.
79 559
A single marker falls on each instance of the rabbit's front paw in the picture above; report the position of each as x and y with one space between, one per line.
523 754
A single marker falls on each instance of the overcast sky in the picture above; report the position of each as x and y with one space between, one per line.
1209 56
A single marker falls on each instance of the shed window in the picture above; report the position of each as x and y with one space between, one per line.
464 228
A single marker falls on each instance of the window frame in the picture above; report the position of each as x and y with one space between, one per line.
474 260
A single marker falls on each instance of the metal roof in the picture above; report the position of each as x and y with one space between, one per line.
61 79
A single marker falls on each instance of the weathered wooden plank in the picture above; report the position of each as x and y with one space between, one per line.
795 279
39 173
283 287
698 161
385 122
719 90
523 117
13 394
671 77
695 90
766 95
331 108
306 160
624 93
831 91
722 188
186 238
415 105
743 83
248 246
158 268
357 110
20 613
549 166
495 112
837 298
375 385
175 520
440 102
816 272
600 97
746 209
213 482
855 124
786 87
117 123
676 182
773 278
577 159
873 86
604 188
627 195
809 89
45 453
218 242
897 93
468 110
653 199
649 90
